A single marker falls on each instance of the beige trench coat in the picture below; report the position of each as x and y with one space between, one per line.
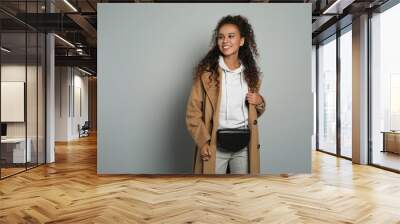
204 129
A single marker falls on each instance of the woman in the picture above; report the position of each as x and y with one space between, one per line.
225 96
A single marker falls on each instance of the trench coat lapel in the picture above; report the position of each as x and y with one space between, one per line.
210 85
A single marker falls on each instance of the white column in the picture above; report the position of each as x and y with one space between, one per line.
50 92
50 82
360 90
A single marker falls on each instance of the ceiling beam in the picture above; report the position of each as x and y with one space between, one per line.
86 26
85 61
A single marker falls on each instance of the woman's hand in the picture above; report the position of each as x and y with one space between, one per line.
254 98
205 152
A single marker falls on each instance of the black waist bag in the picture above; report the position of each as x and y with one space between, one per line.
233 139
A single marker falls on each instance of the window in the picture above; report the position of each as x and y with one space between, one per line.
346 93
385 88
327 96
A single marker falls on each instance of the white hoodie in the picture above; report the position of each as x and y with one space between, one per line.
233 111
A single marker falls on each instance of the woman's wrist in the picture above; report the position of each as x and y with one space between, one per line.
260 99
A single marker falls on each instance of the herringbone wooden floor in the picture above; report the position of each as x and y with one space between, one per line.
69 191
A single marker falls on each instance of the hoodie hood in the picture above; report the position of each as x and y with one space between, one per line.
222 64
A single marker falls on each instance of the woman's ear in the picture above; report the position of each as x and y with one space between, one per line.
242 41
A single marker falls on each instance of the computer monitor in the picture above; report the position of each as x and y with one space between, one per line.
3 129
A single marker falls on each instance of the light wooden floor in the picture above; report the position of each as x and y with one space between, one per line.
387 159
10 171
69 191
5 172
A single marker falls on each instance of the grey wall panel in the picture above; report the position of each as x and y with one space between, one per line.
146 56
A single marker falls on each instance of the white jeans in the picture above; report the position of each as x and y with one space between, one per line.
238 162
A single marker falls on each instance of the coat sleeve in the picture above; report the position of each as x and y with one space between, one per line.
194 115
261 107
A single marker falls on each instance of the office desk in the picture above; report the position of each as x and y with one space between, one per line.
13 150
391 141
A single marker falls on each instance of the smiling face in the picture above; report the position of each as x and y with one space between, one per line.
229 40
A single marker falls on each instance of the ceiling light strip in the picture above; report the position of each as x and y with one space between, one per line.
331 7
65 41
70 5
5 49
84 71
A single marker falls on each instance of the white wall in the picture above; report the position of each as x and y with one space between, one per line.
16 72
69 84
79 117
61 103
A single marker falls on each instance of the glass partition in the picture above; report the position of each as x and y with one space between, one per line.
22 78
13 111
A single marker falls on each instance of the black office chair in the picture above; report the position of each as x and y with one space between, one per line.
84 130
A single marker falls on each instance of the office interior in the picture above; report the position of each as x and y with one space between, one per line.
48 80
46 83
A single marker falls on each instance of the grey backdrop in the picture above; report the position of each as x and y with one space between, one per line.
146 55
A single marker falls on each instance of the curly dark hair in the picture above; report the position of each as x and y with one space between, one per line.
247 52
